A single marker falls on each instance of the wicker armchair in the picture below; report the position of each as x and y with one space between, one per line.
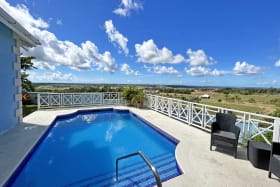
224 131
274 163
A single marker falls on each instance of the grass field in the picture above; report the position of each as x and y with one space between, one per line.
257 103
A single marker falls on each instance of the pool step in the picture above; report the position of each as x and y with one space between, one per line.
137 174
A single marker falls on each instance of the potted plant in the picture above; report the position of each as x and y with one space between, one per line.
128 93
138 99
133 96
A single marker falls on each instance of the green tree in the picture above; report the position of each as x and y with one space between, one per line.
237 99
26 84
133 96
194 99
26 64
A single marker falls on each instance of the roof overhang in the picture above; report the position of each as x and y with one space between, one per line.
27 40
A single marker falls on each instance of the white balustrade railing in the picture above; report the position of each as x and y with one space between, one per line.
195 114
202 116
51 100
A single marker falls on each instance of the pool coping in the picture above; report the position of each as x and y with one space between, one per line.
192 152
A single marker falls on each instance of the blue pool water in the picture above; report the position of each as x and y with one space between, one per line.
81 150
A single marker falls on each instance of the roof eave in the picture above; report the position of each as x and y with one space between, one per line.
26 38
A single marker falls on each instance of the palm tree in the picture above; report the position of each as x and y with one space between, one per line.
26 64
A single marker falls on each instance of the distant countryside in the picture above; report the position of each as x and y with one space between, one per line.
257 100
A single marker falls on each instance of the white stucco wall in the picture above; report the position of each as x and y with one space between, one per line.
10 80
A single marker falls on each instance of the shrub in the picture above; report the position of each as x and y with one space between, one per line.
129 92
268 135
194 99
251 100
276 113
133 96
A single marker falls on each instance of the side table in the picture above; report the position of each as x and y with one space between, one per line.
258 153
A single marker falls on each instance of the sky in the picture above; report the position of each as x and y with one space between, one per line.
168 42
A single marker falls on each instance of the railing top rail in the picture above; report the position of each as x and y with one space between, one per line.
75 93
147 161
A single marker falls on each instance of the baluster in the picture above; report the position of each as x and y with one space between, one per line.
38 101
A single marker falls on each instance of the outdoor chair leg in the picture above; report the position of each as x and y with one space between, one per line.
269 174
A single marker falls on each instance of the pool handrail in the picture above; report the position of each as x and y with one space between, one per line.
147 161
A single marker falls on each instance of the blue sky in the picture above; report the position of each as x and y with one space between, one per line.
182 42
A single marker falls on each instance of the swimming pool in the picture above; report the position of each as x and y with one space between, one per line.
81 150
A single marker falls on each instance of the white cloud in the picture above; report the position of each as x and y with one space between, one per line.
197 71
115 36
148 52
245 68
43 65
204 81
128 71
267 82
148 68
239 69
165 70
58 52
216 72
202 71
162 70
22 15
277 63
199 58
126 6
59 22
107 62
50 77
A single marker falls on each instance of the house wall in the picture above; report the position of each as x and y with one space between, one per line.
10 80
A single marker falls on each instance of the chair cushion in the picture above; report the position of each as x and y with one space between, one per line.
225 121
225 134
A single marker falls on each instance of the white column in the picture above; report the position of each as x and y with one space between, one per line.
156 103
276 130
17 79
169 108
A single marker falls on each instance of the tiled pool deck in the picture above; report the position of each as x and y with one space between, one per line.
201 166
